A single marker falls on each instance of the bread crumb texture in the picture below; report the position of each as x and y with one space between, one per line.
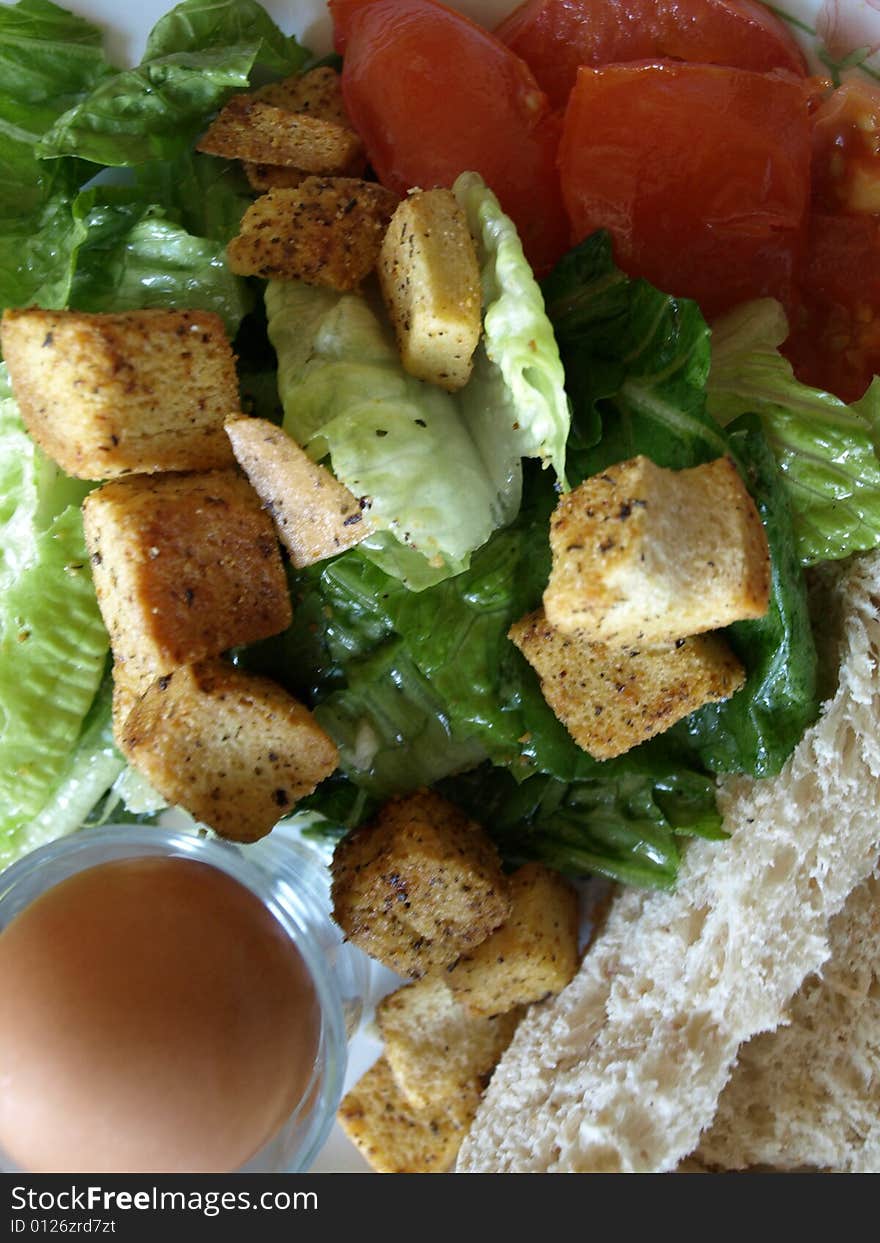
647 555
611 699
623 1070
253 129
185 566
808 1094
394 1136
236 750
419 885
315 516
325 231
128 393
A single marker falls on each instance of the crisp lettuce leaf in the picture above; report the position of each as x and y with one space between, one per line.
391 438
516 400
204 194
132 257
196 55
89 769
49 59
824 448
197 25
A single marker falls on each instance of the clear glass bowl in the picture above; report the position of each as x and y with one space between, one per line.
292 880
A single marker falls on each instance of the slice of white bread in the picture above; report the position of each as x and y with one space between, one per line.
623 1070
808 1094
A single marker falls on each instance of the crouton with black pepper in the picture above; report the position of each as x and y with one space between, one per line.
260 132
185 566
106 395
419 885
319 94
610 699
533 955
440 1053
315 516
325 231
394 1136
430 281
647 555
235 750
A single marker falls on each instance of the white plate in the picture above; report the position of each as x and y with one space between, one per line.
843 26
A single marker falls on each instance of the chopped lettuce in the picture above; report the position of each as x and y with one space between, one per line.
196 55
824 448
440 471
133 257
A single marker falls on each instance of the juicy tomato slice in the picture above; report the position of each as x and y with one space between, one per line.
701 174
835 340
846 150
433 95
556 37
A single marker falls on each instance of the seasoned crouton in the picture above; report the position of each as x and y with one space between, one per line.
273 176
110 394
262 133
315 516
318 92
439 1053
534 954
419 885
391 1134
128 686
232 748
647 555
430 281
610 699
185 566
326 231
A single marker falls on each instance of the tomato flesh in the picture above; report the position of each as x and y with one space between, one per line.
433 95
556 37
701 174
846 150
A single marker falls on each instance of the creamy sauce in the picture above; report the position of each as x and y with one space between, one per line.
155 1018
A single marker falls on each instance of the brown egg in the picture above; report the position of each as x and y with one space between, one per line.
155 1018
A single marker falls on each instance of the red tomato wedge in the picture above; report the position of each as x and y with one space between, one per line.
701 174
556 37
835 340
433 95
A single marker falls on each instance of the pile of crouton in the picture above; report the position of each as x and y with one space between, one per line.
421 889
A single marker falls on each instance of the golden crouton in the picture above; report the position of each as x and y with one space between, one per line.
262 133
139 391
430 281
264 177
391 1134
438 1051
315 516
647 555
419 885
326 231
128 686
232 748
318 92
534 954
185 566
610 699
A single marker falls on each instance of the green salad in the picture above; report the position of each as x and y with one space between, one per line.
400 644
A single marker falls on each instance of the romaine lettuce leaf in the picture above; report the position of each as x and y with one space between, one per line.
824 448
391 438
197 25
133 257
89 769
206 195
